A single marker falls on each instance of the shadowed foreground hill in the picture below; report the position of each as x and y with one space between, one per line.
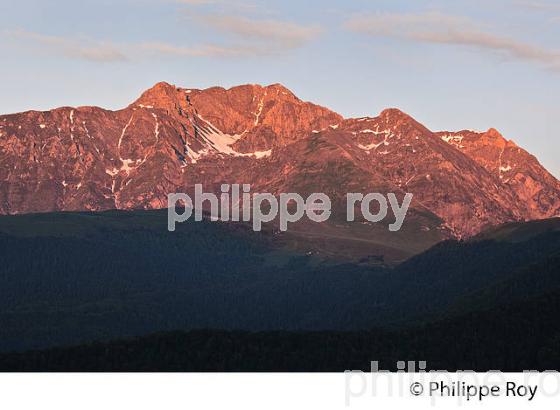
524 336
69 279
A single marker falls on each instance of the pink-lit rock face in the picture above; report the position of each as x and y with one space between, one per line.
88 158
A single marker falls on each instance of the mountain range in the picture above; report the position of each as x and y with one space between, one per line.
89 158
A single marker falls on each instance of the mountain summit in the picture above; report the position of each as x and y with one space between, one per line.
170 138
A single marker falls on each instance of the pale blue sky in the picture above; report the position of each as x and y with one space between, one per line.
451 64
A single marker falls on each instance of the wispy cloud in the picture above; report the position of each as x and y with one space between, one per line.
278 33
209 50
538 5
103 52
255 37
82 50
438 28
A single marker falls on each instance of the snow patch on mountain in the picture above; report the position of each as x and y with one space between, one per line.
453 139
218 142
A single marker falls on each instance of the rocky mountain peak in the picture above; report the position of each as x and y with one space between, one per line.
493 137
394 114
161 95
395 118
